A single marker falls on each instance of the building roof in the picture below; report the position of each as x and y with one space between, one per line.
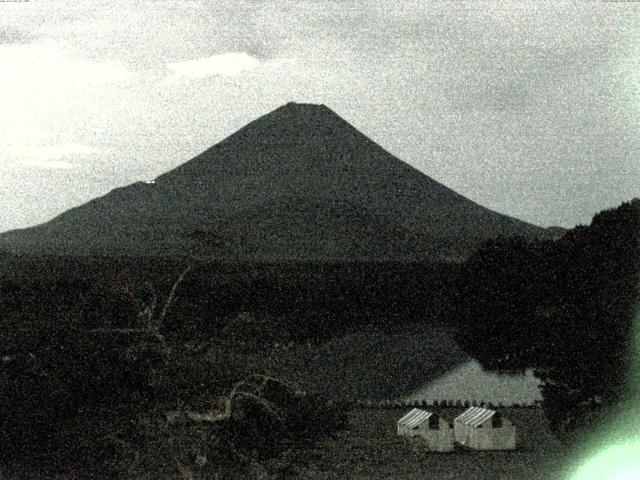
414 418
475 416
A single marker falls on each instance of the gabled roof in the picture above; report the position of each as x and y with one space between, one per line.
414 418
475 416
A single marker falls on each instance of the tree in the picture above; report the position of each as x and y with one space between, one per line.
564 307
598 284
500 290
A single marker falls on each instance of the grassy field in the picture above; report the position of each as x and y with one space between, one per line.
370 449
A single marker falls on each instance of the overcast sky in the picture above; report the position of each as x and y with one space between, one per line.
532 110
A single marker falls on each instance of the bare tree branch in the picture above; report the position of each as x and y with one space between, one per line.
172 294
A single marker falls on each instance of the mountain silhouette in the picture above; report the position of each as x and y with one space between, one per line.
299 183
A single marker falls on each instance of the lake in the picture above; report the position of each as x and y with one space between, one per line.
470 382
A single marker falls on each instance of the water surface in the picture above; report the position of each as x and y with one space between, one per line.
470 382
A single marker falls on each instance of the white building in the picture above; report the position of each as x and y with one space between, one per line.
435 432
484 429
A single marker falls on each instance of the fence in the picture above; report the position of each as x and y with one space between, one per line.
398 404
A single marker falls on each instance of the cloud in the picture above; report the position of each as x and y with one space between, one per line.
48 156
48 66
47 164
50 152
98 72
225 64
11 35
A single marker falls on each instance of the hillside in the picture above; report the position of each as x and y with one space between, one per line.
299 183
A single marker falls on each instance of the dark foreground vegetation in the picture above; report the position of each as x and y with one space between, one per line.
311 300
134 405
112 368
178 367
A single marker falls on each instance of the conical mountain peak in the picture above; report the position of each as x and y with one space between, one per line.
305 113
302 106
294 123
298 110
298 183
307 110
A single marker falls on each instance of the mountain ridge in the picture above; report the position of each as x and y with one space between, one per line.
299 182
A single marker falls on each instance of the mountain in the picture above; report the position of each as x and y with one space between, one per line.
299 183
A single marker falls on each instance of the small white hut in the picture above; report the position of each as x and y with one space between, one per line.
484 429
436 433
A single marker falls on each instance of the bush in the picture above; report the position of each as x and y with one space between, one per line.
260 418
63 382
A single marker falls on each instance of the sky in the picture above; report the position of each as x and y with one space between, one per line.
529 108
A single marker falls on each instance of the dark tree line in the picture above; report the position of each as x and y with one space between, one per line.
564 307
